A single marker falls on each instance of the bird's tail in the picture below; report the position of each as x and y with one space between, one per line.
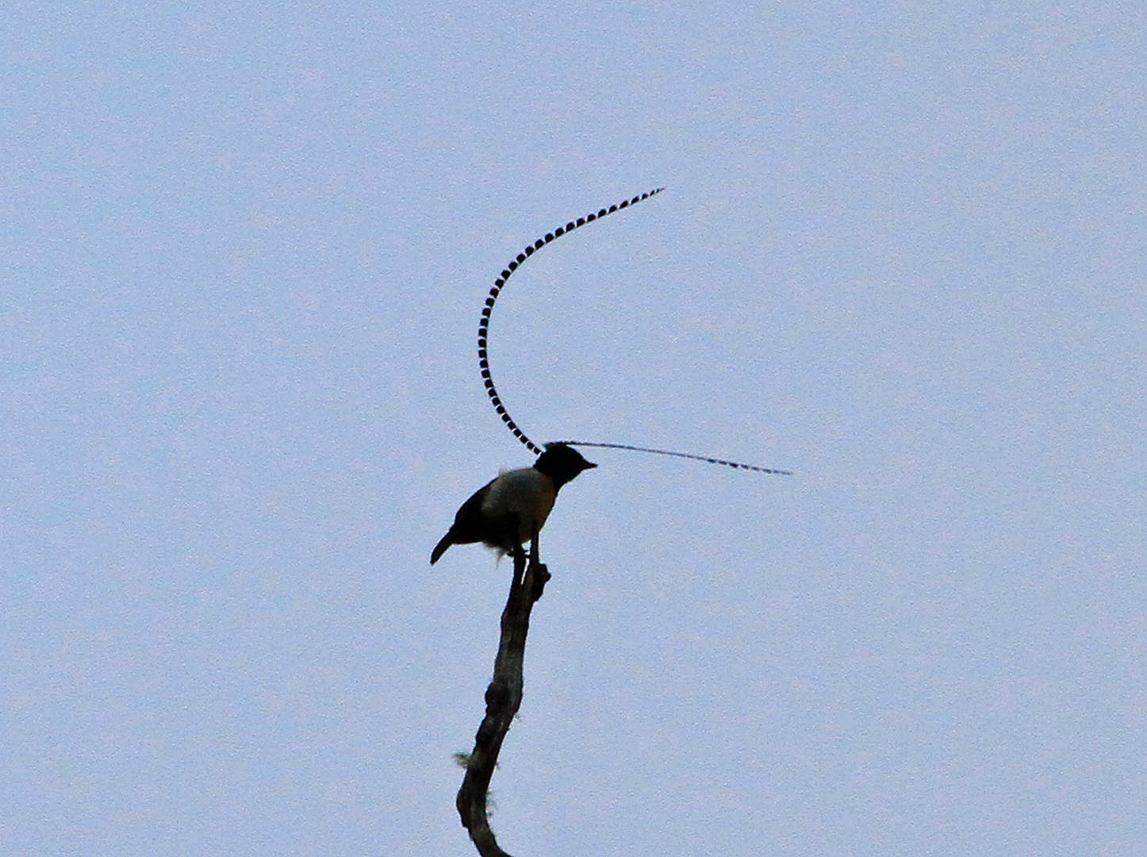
440 548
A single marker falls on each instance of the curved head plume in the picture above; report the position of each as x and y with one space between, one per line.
484 322
484 360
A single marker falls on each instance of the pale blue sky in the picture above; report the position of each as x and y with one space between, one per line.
902 252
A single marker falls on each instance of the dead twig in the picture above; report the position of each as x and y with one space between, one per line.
503 697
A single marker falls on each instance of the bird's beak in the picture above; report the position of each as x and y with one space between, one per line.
589 465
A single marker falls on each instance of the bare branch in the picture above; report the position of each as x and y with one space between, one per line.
503 697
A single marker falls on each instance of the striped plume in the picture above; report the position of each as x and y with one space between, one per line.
484 360
484 322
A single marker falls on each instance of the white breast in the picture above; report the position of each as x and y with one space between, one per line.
526 494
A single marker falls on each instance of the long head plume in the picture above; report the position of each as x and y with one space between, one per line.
736 465
484 360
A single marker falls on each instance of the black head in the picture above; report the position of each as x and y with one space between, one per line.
561 463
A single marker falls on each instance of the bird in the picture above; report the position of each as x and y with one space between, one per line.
511 509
